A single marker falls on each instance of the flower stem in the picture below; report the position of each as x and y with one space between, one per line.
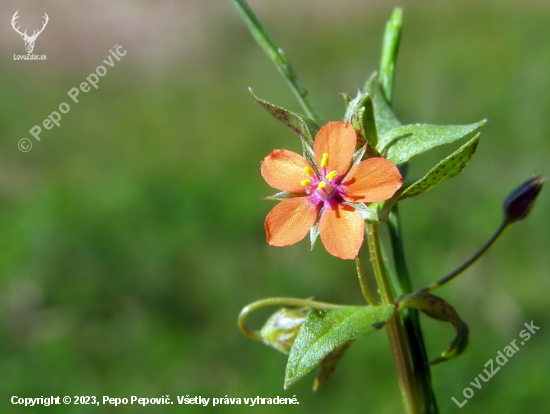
402 285
279 301
394 326
278 57
363 281
468 262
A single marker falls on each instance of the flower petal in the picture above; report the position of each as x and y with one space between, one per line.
338 141
342 229
284 170
290 221
371 181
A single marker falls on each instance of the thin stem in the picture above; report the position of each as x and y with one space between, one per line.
292 302
392 35
363 281
278 57
402 285
394 326
468 262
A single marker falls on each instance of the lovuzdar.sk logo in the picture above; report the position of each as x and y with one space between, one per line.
29 40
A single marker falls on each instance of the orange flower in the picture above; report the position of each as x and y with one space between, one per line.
324 194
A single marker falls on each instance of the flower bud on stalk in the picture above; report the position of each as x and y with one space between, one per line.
520 201
281 329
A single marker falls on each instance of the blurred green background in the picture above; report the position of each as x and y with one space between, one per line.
132 235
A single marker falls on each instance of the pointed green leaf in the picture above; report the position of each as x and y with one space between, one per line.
437 308
324 331
383 114
278 57
328 365
447 168
392 35
299 124
404 142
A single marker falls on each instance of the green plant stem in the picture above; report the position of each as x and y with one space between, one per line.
402 286
394 326
363 281
279 301
468 262
401 283
278 57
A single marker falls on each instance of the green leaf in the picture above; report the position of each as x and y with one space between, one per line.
447 168
278 57
404 142
437 308
392 35
299 124
324 331
328 365
383 114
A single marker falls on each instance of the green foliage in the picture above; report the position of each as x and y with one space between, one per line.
386 119
447 168
119 266
329 364
363 121
437 308
299 124
404 142
324 331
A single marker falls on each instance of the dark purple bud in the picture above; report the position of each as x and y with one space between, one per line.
520 201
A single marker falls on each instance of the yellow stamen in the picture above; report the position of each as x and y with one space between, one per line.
324 160
305 182
321 185
309 172
331 175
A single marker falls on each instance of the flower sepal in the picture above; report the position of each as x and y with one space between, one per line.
369 214
360 113
283 195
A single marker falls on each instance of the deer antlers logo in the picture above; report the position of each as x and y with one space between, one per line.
29 40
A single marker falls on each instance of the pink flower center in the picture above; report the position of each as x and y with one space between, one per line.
323 189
